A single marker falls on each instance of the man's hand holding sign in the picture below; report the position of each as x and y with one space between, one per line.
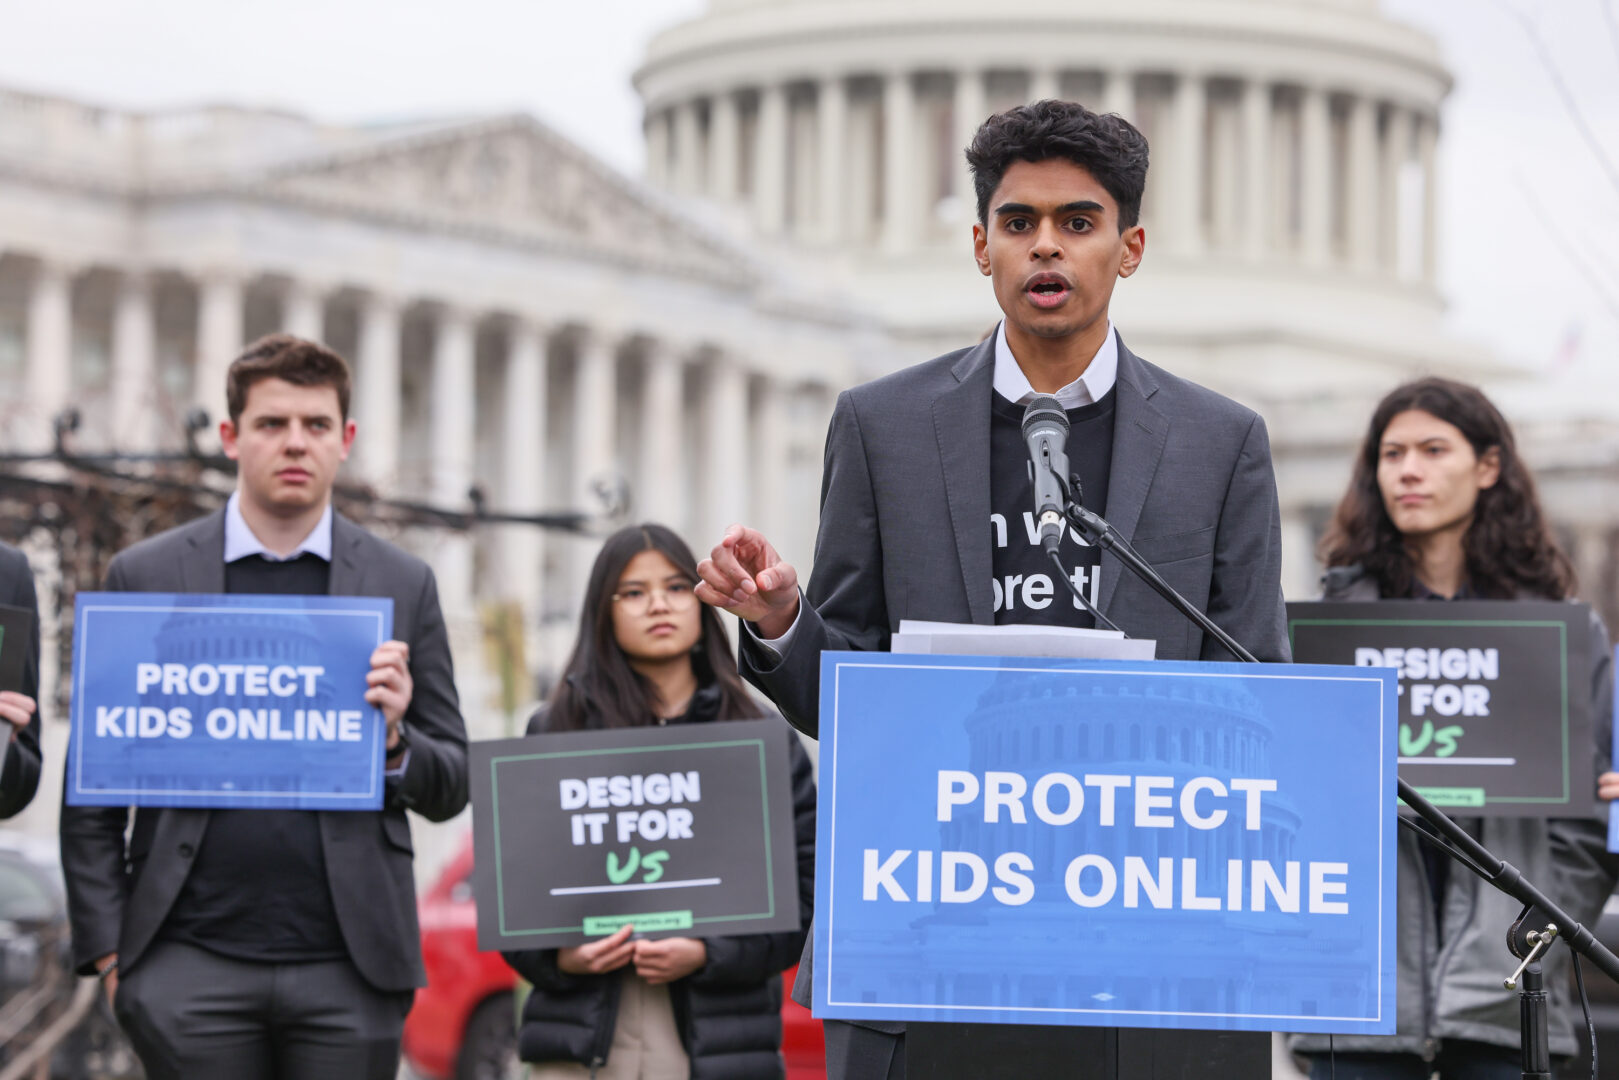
390 688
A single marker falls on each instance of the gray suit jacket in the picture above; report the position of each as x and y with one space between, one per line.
905 522
118 895
19 776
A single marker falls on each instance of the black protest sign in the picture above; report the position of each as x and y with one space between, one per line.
683 831
16 634
1494 695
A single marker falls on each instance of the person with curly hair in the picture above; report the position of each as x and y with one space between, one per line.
1441 507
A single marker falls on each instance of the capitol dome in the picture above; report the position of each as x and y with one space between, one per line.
1293 150
1290 205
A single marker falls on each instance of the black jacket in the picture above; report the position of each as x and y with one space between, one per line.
119 892
728 1011
19 777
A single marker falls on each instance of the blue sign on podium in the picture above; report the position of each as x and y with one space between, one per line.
1111 843
226 701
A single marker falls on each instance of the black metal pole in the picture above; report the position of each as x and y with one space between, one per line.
1537 1057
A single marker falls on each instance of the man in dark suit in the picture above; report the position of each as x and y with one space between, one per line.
926 499
19 714
277 943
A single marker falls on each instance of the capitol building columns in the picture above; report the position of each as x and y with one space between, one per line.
658 494
524 407
726 457
303 307
724 146
770 144
832 134
1315 175
1189 112
1428 162
967 113
49 356
375 402
899 195
1255 98
221 333
545 410
1264 167
1361 185
134 362
452 409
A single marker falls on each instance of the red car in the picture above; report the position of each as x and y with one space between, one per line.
464 1022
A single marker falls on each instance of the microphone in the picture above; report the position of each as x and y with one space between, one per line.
1045 429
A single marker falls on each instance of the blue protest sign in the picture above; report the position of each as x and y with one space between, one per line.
1134 844
226 701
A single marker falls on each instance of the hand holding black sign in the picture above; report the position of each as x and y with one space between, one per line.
678 831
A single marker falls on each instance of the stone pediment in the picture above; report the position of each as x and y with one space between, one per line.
509 178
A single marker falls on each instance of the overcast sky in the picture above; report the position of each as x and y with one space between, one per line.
1530 225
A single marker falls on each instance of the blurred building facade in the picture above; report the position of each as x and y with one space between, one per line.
520 317
1290 206
524 319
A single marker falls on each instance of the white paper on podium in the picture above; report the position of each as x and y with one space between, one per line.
1018 639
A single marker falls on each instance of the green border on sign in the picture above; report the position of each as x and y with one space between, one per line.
764 802
1562 641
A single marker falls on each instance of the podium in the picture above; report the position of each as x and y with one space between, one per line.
1142 856
1019 1051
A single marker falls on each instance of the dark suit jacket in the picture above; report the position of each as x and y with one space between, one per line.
905 529
905 522
19 778
118 895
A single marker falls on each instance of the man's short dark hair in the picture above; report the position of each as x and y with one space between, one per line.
292 359
1105 145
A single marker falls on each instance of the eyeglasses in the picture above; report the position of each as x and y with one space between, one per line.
636 600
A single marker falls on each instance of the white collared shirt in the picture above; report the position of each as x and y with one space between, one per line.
240 540
1010 383
1089 388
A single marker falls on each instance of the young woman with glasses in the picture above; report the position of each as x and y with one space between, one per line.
1441 508
620 1008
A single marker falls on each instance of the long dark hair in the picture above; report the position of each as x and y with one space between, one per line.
1509 548
599 688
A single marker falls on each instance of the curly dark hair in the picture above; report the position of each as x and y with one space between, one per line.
1509 547
1103 144
599 688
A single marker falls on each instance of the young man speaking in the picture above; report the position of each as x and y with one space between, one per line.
926 481
276 944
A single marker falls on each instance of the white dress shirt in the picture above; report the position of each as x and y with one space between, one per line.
1013 385
1092 386
240 540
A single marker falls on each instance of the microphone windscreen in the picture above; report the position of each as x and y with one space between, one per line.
1044 410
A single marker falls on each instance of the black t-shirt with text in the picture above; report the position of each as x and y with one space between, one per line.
1026 587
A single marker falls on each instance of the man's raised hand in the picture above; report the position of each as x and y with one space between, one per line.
745 576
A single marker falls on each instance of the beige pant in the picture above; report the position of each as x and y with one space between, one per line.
646 1044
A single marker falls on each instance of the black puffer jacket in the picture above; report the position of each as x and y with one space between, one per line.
728 1011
